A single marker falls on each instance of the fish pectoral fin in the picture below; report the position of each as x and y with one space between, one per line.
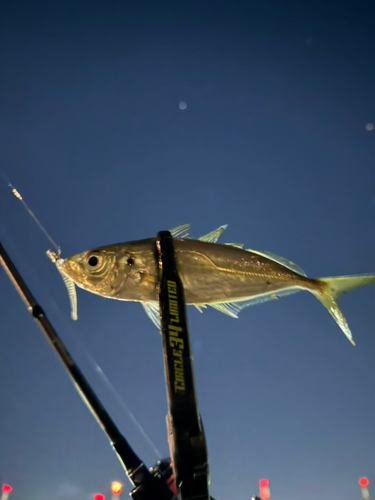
180 231
232 308
153 312
280 260
214 235
237 245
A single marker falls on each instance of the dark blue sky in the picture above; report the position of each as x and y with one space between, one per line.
274 143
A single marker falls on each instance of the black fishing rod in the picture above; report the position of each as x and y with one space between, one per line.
186 437
147 486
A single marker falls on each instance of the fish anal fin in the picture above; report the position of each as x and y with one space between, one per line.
199 307
225 308
232 308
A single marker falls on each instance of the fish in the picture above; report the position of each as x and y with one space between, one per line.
226 277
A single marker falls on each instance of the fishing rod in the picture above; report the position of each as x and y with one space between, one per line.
190 477
186 438
147 486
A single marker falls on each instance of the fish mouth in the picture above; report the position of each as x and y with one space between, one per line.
74 267
71 268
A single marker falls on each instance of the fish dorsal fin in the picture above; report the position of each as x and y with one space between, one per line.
237 245
280 260
214 235
153 312
232 308
180 231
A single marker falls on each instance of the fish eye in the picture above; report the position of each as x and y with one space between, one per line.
94 262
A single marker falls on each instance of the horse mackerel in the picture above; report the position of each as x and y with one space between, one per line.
225 277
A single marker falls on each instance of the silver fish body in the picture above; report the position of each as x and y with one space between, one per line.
210 272
225 277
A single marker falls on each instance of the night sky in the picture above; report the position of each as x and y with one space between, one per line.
277 141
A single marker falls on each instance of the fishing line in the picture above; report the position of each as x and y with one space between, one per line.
100 372
19 197
117 396
81 344
110 387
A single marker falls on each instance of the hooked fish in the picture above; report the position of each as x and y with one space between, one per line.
225 277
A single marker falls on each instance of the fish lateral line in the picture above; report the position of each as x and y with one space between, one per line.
244 272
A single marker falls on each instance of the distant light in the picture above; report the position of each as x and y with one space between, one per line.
99 496
116 487
363 482
264 491
6 488
370 126
182 105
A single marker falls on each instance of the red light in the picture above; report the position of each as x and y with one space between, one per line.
6 488
263 483
116 487
172 485
363 482
99 496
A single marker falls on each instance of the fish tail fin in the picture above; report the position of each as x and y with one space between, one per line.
331 290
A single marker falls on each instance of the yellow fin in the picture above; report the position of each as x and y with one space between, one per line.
199 307
153 312
334 287
232 308
181 231
238 245
214 235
